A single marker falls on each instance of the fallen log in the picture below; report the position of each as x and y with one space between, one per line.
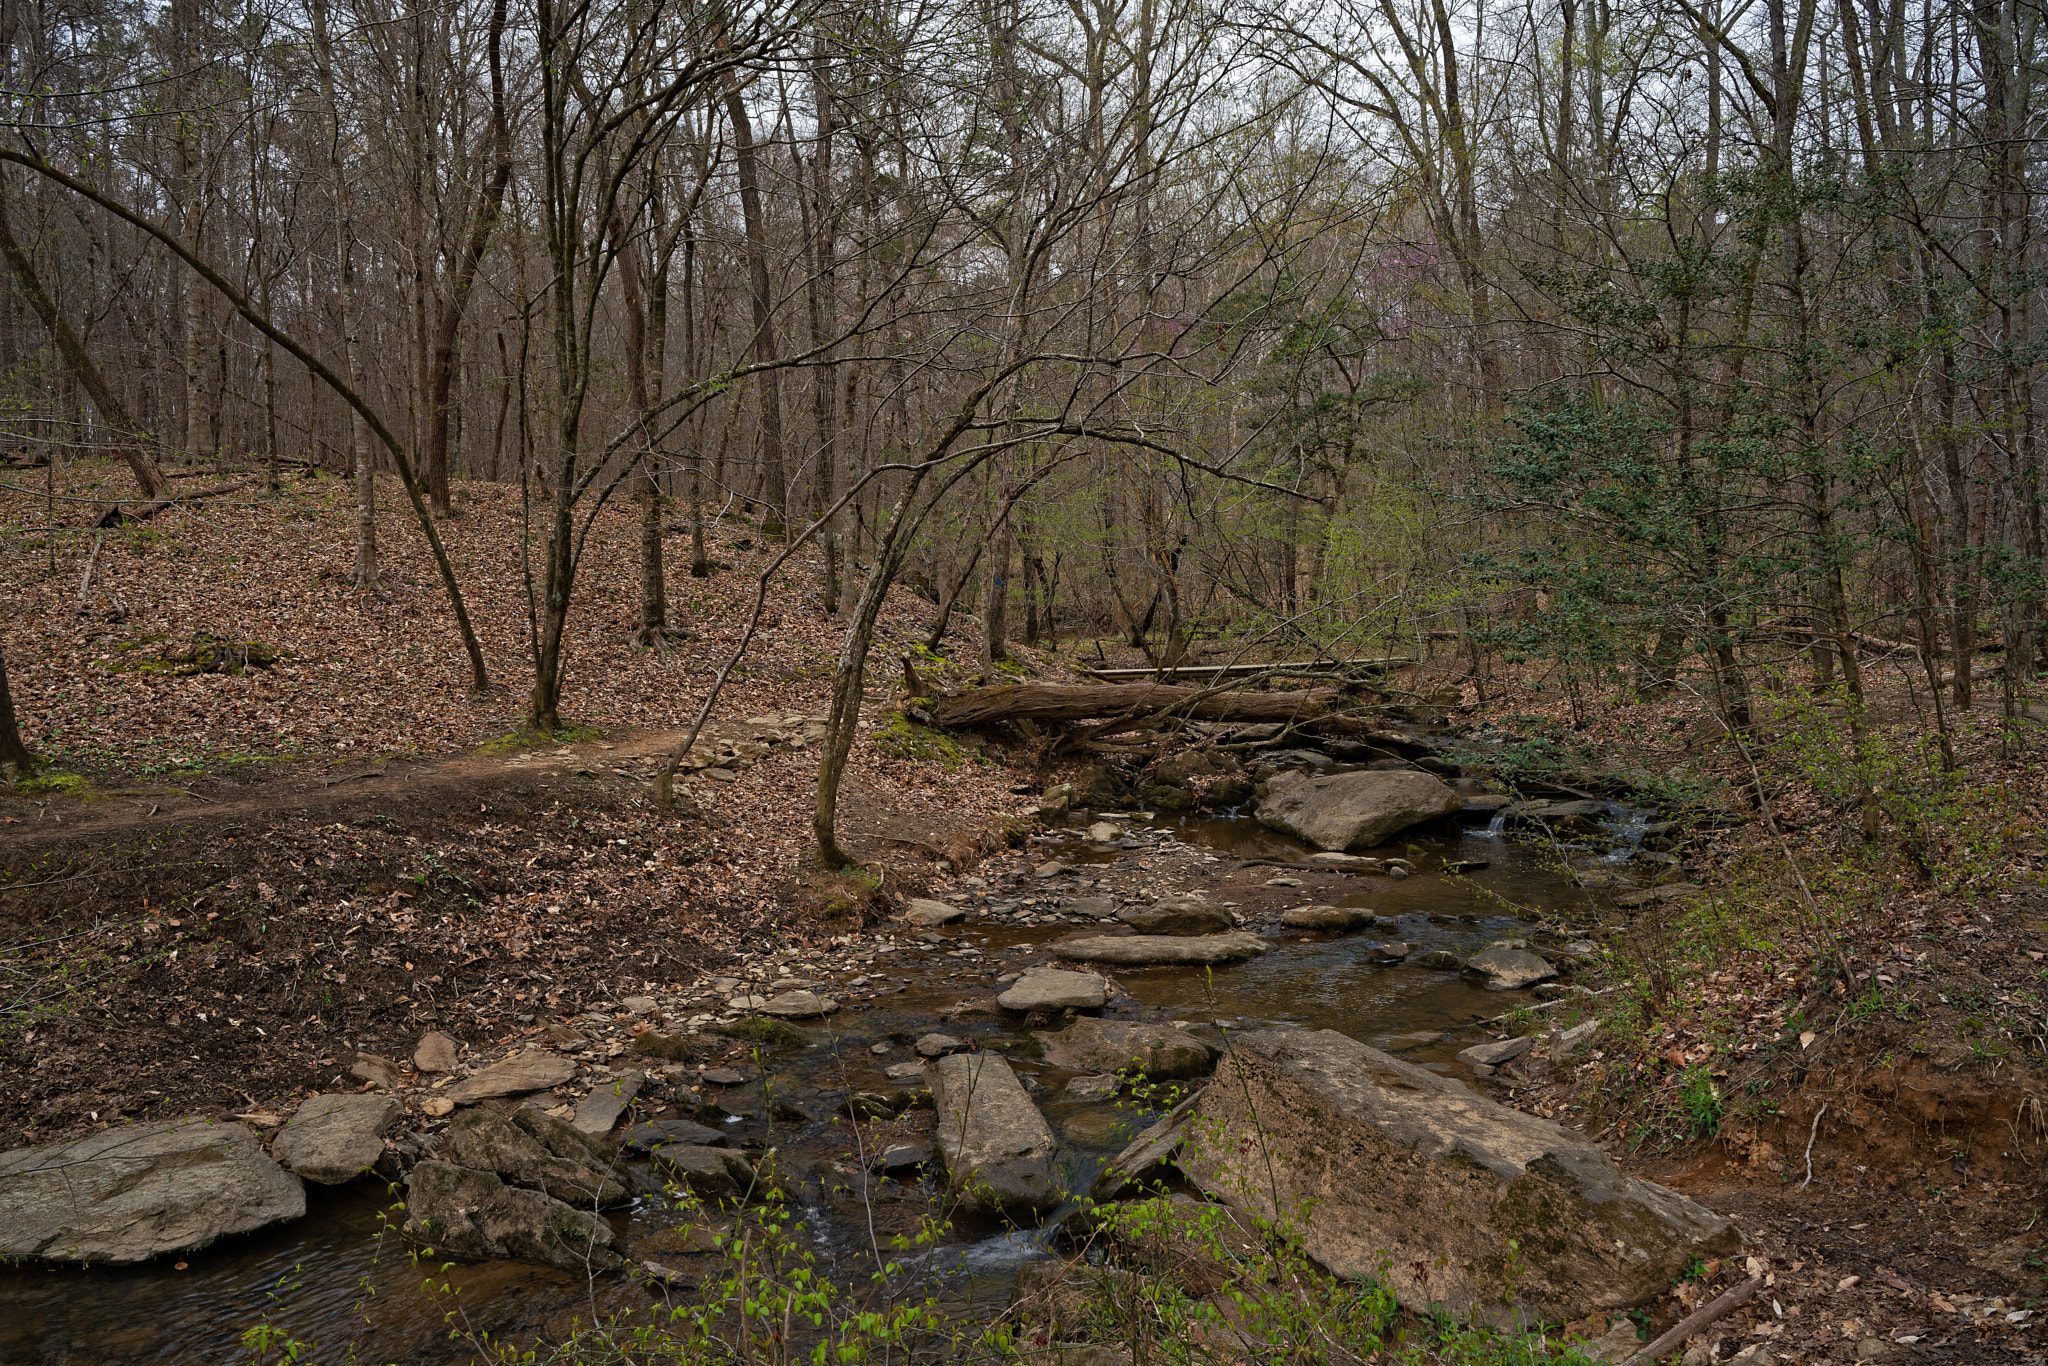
1084 702
115 515
1326 668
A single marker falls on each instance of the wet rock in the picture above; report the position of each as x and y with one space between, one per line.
472 1215
1188 916
1494 1054
1393 952
799 1005
999 1152
1161 948
1505 969
1149 1159
876 1104
1349 811
529 1149
1160 1052
1283 882
599 1111
1091 1090
332 1139
1442 960
1481 808
1574 818
1095 907
657 1133
1105 832
1055 989
904 1071
1400 1168
725 1076
135 1191
939 1045
436 1052
669 1047
1466 865
516 1076
1328 918
903 1157
380 1072
926 913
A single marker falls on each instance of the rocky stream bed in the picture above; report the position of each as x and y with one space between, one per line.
1345 959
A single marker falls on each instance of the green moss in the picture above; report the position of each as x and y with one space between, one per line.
56 782
762 1030
901 738
530 737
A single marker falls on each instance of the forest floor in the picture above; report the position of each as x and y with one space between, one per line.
230 884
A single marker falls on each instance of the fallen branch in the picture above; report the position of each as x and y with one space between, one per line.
114 516
1698 1319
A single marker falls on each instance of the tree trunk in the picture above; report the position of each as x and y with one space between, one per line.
746 169
1080 702
13 753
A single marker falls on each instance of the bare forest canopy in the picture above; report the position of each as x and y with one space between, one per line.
1624 335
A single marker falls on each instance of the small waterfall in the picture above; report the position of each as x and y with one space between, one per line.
1625 825
1495 826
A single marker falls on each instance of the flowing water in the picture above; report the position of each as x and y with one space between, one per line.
331 1279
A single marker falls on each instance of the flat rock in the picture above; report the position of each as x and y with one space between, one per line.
1507 969
925 912
332 1139
1055 989
1105 832
598 1112
135 1191
1160 1052
436 1052
1443 960
904 1071
656 1133
1163 948
472 1215
533 1149
1091 1090
1000 1154
1050 870
1335 859
1392 952
1328 918
1353 811
1177 917
1494 1054
640 1005
725 1076
669 1047
516 1076
903 1157
939 1045
1094 907
1400 1170
798 1005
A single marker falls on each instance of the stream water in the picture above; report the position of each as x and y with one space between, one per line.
330 1279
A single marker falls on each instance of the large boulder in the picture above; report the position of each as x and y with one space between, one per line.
1181 916
473 1216
1503 968
332 1139
1330 918
1138 949
999 1151
1352 811
1453 1201
534 1149
134 1191
1161 1052
1055 989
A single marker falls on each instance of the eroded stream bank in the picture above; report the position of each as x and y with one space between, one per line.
328 1279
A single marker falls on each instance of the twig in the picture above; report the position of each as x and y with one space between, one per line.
1580 995
1811 1134
1697 1320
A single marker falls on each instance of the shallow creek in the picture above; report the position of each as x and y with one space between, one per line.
328 1277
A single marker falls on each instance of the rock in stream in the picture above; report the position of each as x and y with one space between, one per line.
998 1149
